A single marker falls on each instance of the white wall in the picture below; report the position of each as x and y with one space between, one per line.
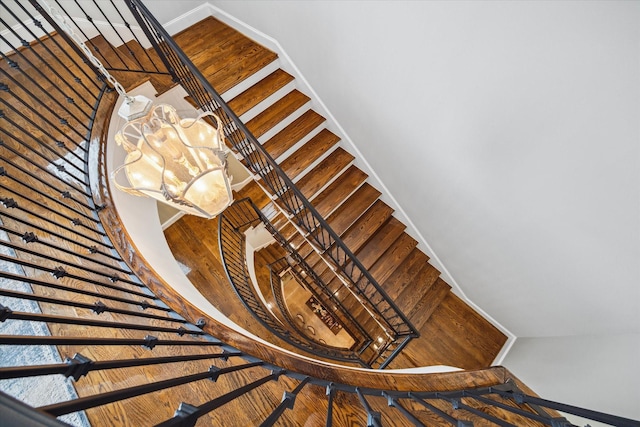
592 371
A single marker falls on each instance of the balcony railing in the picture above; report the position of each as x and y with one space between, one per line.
82 312
232 224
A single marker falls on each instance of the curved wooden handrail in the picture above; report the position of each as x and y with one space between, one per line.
389 380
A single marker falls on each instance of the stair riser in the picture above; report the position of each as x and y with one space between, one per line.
284 123
250 81
267 102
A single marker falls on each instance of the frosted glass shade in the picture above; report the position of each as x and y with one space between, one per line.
176 161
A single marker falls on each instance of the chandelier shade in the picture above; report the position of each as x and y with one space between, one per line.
176 161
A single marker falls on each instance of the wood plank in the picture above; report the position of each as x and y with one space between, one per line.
277 112
427 303
231 75
296 163
380 242
294 132
418 286
353 208
338 191
392 258
325 172
406 274
367 225
259 92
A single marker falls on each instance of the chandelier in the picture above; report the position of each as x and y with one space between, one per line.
178 161
174 160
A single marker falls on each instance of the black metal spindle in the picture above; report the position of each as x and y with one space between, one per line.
53 56
83 403
59 272
92 249
26 133
95 27
107 20
135 37
110 275
448 418
148 342
97 307
144 304
48 134
70 367
60 192
31 237
10 203
394 403
41 73
44 170
373 417
570 409
75 60
536 417
197 412
66 320
288 400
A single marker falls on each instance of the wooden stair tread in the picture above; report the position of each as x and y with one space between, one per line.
392 258
277 112
255 193
412 293
229 76
260 91
296 163
114 58
209 29
379 242
427 304
471 341
149 59
324 172
338 191
353 208
349 211
367 225
406 273
292 133
228 47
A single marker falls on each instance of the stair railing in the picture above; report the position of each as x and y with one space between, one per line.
300 211
244 212
275 270
299 274
110 41
231 225
65 290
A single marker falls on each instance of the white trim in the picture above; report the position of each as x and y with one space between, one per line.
168 223
188 19
23 33
288 65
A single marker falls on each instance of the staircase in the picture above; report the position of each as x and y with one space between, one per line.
276 112
141 362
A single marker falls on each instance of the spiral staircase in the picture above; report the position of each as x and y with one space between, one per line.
79 301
